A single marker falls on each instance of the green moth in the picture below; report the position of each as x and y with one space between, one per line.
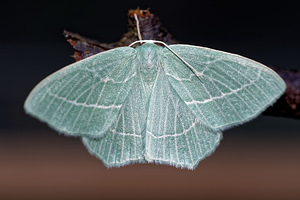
153 103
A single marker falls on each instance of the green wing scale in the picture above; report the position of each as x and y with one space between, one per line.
124 141
174 135
85 97
234 89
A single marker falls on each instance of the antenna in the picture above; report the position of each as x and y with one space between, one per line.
138 27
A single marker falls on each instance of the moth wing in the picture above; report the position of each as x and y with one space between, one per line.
84 98
174 135
233 89
124 142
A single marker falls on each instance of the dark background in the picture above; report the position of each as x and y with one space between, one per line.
258 160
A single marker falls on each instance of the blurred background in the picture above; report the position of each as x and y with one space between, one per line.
258 160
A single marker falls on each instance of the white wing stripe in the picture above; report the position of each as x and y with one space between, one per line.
75 103
218 97
176 134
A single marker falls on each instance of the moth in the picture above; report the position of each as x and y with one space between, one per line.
145 104
154 103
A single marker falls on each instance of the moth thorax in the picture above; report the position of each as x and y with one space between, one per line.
149 60
148 53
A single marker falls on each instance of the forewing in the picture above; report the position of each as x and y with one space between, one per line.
174 135
124 142
232 90
84 98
